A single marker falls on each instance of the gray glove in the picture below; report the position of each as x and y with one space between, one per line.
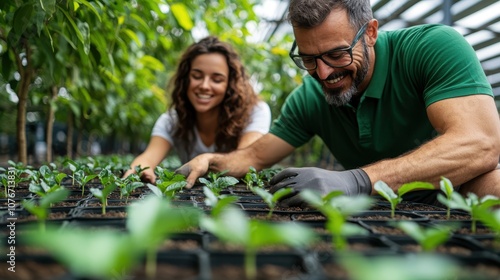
351 182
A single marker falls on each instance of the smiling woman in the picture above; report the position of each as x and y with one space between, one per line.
214 108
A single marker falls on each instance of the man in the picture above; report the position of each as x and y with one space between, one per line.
401 106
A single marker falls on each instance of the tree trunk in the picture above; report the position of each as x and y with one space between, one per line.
69 136
50 123
26 73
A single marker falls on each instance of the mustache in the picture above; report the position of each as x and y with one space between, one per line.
331 76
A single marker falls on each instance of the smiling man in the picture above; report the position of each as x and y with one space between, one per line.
398 106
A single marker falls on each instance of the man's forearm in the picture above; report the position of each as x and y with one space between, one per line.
457 158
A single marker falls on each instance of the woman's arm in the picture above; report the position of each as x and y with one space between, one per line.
155 152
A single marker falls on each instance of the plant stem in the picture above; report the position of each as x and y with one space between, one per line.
151 263
250 263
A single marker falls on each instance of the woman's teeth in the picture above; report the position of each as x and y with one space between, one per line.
204 96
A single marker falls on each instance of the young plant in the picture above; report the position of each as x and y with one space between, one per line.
40 208
152 220
218 182
108 181
234 227
128 185
271 199
491 219
217 203
394 199
168 183
82 179
89 254
472 205
428 238
336 208
252 179
447 188
45 181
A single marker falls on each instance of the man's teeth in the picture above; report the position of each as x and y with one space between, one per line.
334 80
204 96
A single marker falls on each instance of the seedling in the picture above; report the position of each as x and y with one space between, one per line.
45 181
447 188
272 199
82 179
428 238
491 219
218 182
108 181
394 199
168 183
89 254
152 220
252 179
217 203
128 185
336 208
233 226
472 205
40 209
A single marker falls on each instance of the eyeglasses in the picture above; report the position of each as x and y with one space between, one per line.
333 58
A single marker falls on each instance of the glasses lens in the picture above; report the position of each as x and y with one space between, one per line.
305 62
337 58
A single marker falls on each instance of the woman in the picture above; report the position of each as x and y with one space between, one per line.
214 108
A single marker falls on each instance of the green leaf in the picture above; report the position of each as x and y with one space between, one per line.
151 220
385 191
95 253
405 188
89 6
181 14
48 6
446 186
79 35
22 18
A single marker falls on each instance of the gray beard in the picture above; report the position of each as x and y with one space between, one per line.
339 98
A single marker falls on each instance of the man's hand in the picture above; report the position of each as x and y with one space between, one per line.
195 168
351 182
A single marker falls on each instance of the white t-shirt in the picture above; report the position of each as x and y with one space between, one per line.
260 121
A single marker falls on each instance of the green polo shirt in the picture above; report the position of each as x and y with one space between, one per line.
414 68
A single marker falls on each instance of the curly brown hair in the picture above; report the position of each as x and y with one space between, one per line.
235 108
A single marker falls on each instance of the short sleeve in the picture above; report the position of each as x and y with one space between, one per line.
260 119
164 126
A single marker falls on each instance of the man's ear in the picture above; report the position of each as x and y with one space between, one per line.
372 32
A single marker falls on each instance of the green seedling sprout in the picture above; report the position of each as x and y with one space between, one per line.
272 199
336 208
447 188
218 182
40 209
128 185
168 183
154 219
472 205
394 199
252 179
108 181
394 267
82 179
234 227
138 170
428 238
217 203
491 219
73 167
93 254
45 181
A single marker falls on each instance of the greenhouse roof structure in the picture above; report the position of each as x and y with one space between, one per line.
477 20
